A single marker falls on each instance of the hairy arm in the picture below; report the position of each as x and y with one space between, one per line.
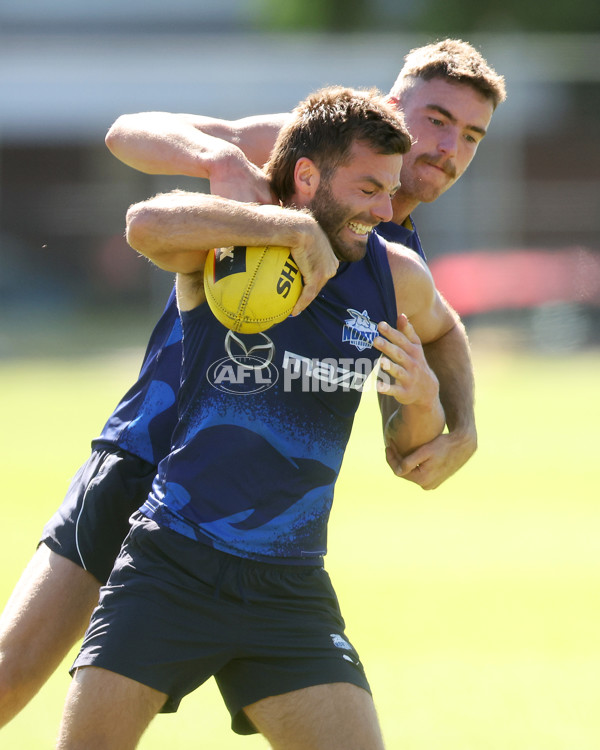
430 464
409 389
176 230
411 410
438 460
228 153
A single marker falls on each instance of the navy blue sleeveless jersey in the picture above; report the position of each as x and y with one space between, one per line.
144 419
265 419
404 234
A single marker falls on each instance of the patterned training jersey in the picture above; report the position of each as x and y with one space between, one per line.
405 234
265 419
145 418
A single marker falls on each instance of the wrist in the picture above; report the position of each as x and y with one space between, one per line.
464 436
223 163
297 228
426 420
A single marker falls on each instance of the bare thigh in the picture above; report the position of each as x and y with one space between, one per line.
339 716
46 614
106 711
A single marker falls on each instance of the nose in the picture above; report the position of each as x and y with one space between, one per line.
382 210
448 143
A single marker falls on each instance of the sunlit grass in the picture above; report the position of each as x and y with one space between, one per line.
475 608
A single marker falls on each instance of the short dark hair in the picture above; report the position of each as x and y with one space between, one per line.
324 128
456 61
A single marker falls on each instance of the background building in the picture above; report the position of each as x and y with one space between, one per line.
69 70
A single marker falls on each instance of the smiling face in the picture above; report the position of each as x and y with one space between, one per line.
447 121
355 198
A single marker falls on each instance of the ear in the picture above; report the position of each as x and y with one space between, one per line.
306 179
393 100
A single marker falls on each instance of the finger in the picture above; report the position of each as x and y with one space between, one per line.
394 461
407 329
395 353
387 384
393 335
419 476
400 468
419 456
396 344
404 331
397 380
312 285
387 366
308 294
412 476
400 384
396 366
411 470
402 321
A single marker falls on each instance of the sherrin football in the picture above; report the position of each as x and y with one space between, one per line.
250 289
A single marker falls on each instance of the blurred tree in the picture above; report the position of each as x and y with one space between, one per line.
440 17
451 17
321 15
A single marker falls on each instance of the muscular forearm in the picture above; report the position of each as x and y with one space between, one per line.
436 461
216 150
175 230
450 359
192 145
157 143
408 389
411 426
165 143
433 462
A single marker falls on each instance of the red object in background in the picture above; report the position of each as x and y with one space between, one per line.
483 281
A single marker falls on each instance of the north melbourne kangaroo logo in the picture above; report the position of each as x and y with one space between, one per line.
359 330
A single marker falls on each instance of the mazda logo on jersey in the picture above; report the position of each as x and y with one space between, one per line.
248 367
252 351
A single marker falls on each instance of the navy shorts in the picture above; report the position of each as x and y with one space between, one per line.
93 519
176 612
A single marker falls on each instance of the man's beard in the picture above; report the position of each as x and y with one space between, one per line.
333 217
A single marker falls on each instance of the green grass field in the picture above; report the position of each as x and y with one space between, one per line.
476 608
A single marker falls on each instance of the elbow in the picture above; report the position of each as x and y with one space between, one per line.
145 233
115 133
121 138
140 229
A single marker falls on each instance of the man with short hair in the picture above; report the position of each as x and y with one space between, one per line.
447 93
222 572
51 604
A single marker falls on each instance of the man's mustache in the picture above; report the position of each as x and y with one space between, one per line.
446 165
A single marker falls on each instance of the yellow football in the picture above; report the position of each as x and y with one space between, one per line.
250 289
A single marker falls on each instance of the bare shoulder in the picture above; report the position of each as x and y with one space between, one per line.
412 278
417 296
